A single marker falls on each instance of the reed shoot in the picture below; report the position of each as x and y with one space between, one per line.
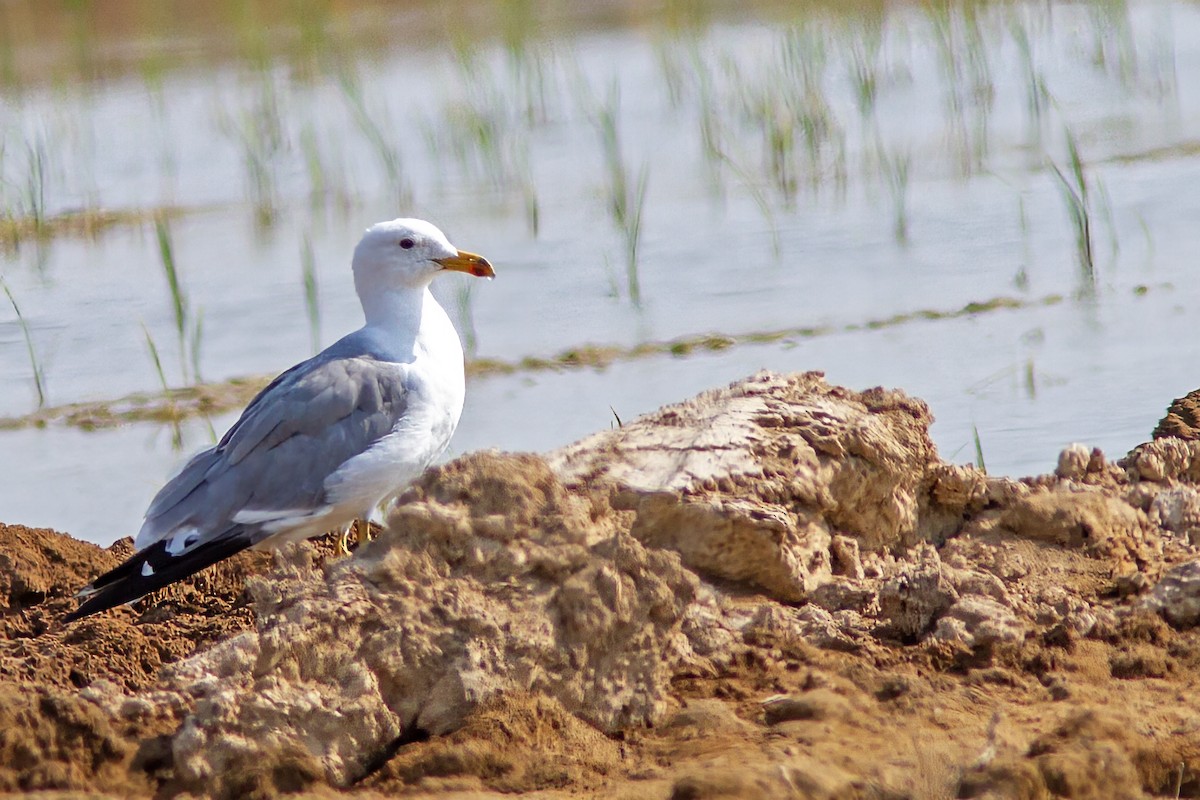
39 375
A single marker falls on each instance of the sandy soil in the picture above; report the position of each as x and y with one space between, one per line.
855 620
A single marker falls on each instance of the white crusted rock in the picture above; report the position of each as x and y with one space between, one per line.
1177 595
751 482
978 621
1073 461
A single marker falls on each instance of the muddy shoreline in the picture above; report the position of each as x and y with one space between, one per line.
777 589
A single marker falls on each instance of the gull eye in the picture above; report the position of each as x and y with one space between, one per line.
407 244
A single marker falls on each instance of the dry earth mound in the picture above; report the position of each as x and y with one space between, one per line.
1182 419
772 590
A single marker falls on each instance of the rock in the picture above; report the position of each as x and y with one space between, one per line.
976 621
978 582
1177 509
485 582
911 600
705 718
843 594
511 744
750 483
53 739
802 777
1073 462
1182 419
1088 755
846 557
1086 518
807 625
1177 595
1077 463
763 544
815 705
1164 460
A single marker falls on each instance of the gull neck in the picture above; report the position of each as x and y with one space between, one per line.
395 307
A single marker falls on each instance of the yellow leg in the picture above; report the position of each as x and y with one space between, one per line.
362 533
343 548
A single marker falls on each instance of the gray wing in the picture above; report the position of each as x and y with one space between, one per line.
291 437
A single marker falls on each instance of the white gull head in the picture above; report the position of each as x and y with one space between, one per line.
406 254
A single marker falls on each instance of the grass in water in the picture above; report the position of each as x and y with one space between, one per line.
259 133
1074 189
760 200
189 333
172 413
35 187
308 266
978 450
39 376
373 131
466 318
625 205
895 171
632 228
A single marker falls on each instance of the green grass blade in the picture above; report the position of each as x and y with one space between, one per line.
39 377
979 462
172 412
308 266
633 236
179 305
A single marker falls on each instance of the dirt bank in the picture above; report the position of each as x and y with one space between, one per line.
773 590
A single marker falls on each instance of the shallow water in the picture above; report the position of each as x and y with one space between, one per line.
986 218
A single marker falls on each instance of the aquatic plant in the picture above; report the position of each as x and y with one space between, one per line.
477 126
1113 48
625 203
487 129
171 412
966 69
463 301
39 375
308 269
188 331
1074 190
259 134
314 166
24 210
760 201
373 127
529 194
979 462
895 171
195 341
865 47
631 226
1037 95
35 186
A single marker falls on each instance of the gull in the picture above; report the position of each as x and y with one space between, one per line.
325 443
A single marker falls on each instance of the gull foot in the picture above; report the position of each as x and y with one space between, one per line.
343 541
362 533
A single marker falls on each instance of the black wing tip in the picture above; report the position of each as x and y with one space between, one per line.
122 584
86 609
151 569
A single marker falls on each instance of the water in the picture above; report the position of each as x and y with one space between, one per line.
261 148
